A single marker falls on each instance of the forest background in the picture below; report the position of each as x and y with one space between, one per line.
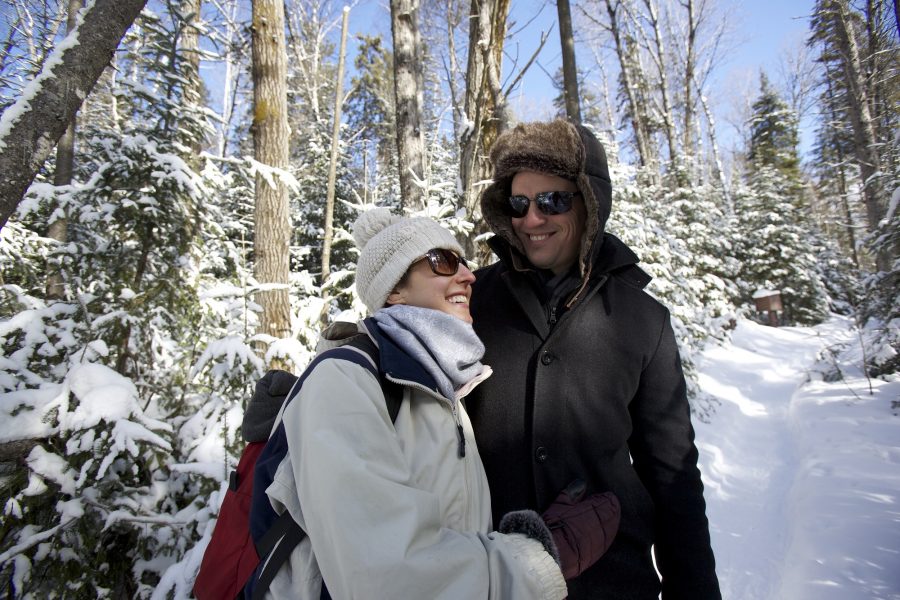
189 228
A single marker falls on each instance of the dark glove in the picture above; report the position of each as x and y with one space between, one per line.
582 529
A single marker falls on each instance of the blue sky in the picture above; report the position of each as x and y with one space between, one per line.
760 31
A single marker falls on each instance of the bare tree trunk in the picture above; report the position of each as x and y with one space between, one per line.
662 68
189 40
65 162
229 83
570 70
408 91
453 71
717 160
861 120
271 243
36 121
689 67
842 176
485 114
335 138
639 125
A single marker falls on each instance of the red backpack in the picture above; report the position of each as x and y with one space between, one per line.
232 556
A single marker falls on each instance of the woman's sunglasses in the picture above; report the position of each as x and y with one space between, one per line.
444 262
549 203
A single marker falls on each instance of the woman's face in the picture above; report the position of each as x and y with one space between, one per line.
447 293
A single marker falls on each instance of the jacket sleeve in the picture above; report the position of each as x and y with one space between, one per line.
665 458
373 532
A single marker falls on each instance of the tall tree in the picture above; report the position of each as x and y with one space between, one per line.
776 239
484 107
65 160
570 70
408 82
272 224
632 79
839 28
32 126
660 58
335 139
773 133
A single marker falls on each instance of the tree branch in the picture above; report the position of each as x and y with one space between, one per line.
30 128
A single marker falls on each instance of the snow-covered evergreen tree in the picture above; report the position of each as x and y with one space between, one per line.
776 243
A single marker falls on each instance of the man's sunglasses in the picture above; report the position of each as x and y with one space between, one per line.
444 262
549 203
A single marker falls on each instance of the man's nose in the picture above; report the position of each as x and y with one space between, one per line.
534 216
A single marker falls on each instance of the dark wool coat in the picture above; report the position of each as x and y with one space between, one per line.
598 394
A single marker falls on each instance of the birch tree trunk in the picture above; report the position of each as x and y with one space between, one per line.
231 75
271 244
570 70
689 67
660 58
335 142
34 123
409 99
630 80
65 162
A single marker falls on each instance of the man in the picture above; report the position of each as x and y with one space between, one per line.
587 377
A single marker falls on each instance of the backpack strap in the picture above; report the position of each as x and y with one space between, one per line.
275 546
393 391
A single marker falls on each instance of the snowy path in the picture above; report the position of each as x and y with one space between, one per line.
802 476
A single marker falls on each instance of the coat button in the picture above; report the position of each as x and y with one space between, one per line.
547 357
541 454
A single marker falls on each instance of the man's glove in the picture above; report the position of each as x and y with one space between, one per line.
583 528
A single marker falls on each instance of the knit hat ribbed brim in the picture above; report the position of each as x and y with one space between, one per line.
389 244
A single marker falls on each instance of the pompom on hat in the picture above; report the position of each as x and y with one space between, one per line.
388 245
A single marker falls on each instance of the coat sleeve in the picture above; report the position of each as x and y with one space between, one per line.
374 534
665 458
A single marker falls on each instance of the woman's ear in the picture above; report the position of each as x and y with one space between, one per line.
396 297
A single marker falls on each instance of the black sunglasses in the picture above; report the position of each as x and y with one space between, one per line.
549 203
444 262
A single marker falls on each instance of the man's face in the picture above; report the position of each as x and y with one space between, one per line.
550 241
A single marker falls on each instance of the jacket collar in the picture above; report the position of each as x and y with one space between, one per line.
608 257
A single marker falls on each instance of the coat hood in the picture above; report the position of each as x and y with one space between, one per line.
558 148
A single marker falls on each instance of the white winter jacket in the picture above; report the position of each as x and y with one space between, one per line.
390 509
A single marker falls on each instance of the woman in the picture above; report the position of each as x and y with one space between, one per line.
401 509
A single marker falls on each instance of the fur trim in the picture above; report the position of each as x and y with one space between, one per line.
529 523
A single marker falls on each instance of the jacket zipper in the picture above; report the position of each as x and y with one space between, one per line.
460 435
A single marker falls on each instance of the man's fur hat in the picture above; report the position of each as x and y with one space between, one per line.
558 148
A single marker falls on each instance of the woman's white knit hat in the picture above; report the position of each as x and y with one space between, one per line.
389 244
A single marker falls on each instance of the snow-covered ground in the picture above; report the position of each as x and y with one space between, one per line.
802 472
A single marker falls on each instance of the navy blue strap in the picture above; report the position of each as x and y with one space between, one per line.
284 535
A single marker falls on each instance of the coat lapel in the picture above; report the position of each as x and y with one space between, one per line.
521 290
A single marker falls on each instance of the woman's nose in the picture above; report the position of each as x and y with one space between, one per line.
464 275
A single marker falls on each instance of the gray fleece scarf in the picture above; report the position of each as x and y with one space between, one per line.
445 346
